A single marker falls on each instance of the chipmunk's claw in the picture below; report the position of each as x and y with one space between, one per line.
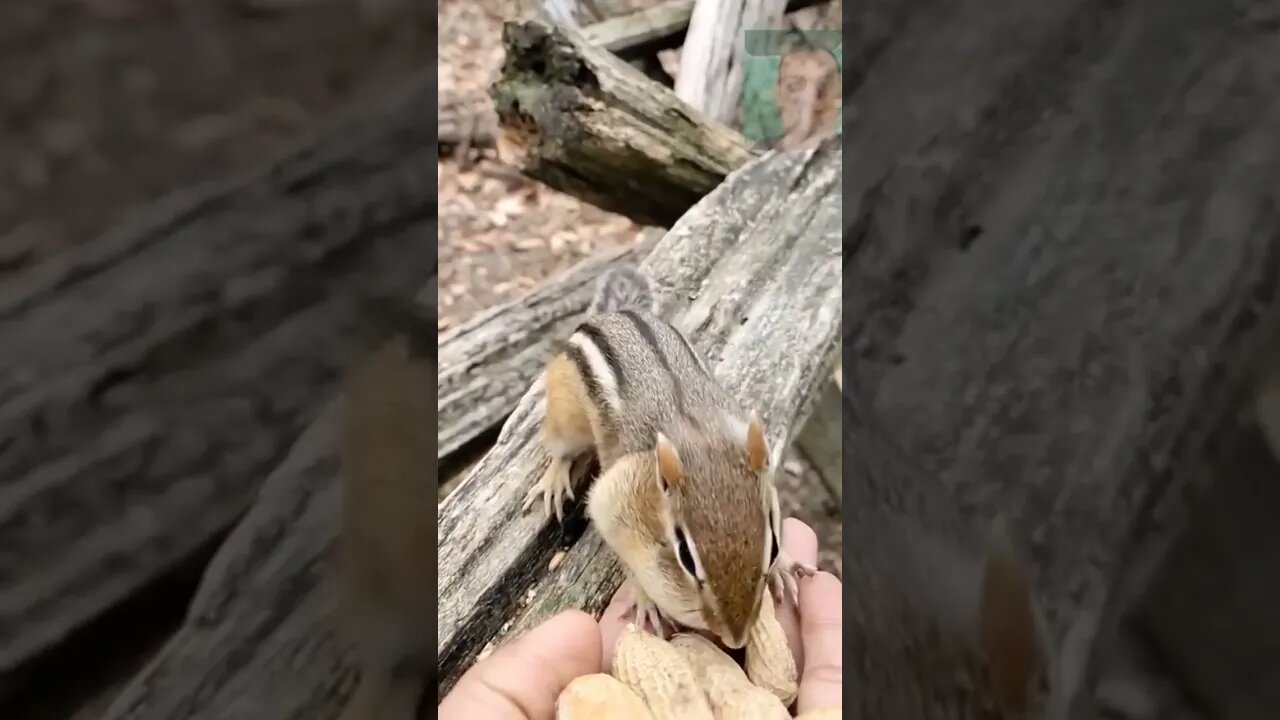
555 488
785 578
644 613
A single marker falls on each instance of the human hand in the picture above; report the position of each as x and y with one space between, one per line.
521 680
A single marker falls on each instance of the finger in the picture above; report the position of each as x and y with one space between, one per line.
521 680
821 628
612 623
801 543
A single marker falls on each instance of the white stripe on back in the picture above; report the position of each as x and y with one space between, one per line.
599 369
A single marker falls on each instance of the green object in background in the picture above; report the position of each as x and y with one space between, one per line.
761 115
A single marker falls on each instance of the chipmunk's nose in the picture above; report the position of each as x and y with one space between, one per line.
735 640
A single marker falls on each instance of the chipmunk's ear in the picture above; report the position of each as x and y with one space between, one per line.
670 469
757 446
1010 634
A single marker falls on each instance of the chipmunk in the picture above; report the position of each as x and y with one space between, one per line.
686 496
387 465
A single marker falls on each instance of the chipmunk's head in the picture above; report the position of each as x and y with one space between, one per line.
720 515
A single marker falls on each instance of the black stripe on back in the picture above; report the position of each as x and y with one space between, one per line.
651 338
693 355
598 339
584 371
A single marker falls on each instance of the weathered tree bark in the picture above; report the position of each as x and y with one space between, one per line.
1067 330
1210 609
259 639
758 257
190 348
636 37
560 12
580 120
653 29
487 363
710 75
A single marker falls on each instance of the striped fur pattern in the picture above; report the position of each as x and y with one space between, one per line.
712 521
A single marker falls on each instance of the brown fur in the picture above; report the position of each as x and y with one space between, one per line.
567 417
675 423
388 467
1009 631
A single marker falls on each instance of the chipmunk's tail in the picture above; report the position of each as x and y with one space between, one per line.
623 288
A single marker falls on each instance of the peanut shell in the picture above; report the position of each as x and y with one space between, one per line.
730 693
661 676
769 661
600 696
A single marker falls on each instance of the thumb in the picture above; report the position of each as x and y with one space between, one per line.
521 680
821 632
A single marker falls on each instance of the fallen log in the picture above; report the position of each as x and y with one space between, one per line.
259 637
710 75
576 118
636 37
606 143
487 363
750 273
653 29
1097 322
153 377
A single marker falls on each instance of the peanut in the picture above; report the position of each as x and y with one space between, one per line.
769 661
660 674
600 696
731 694
704 654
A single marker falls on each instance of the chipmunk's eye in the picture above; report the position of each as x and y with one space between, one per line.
685 553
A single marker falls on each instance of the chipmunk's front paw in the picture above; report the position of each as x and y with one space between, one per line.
643 612
785 577
555 489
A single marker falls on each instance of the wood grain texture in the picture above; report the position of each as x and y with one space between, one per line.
260 637
1087 270
750 273
153 377
259 640
711 59
488 362
658 27
578 119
